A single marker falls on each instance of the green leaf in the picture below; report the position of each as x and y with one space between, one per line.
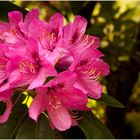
76 6
93 127
109 100
24 132
19 125
10 128
39 130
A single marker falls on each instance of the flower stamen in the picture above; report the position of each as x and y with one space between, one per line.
26 67
54 102
58 58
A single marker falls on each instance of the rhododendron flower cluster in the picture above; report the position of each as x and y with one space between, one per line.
59 63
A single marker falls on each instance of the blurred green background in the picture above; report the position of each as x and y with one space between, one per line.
117 24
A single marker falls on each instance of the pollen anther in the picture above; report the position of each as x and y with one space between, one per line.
25 66
54 102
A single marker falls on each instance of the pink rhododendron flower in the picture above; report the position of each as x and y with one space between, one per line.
49 36
28 68
29 18
75 39
10 33
89 67
60 64
57 97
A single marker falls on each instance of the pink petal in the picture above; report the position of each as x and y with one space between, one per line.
56 21
73 98
14 77
4 87
91 53
3 74
18 51
32 49
29 18
52 56
68 78
40 28
41 76
32 15
96 90
92 88
60 118
25 79
5 116
101 67
23 28
5 97
37 106
15 17
3 49
49 68
7 94
32 45
73 32
13 64
39 79
4 26
68 32
79 24
89 57
96 42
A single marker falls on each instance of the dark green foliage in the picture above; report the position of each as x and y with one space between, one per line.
110 101
93 128
20 126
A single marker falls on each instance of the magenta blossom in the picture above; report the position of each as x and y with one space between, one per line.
75 39
10 33
29 18
28 69
89 67
60 64
49 36
57 97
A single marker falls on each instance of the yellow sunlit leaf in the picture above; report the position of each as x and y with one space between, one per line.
101 20
123 58
97 9
28 100
92 103
71 17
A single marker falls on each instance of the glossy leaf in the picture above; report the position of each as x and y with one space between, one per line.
41 129
110 101
17 117
20 126
93 127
